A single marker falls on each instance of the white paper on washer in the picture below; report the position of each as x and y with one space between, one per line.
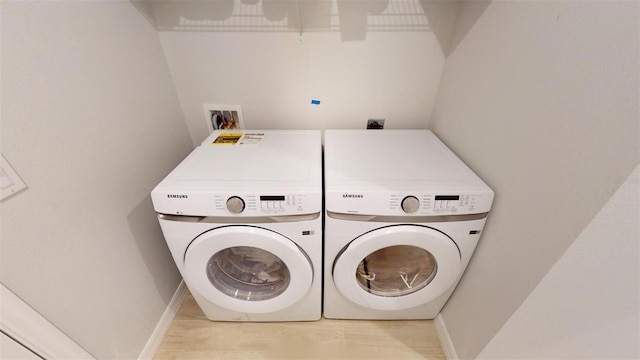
251 139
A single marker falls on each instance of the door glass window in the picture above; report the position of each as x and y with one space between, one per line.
396 270
248 273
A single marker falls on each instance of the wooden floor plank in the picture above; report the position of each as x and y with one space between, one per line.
192 336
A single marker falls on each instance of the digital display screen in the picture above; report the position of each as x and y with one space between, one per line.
447 197
272 198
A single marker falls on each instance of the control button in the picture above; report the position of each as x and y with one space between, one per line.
235 205
410 204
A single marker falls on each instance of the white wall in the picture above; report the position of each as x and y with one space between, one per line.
587 306
541 100
91 122
357 69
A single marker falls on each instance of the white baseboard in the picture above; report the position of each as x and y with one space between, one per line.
26 326
445 339
154 341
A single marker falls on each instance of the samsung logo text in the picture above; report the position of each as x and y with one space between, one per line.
177 196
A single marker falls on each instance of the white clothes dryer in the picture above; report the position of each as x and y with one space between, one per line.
242 218
403 216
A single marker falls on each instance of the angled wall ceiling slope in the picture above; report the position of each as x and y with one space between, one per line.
352 18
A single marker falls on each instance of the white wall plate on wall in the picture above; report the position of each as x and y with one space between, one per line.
10 181
223 117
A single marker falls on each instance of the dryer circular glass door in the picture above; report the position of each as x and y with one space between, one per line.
247 269
397 267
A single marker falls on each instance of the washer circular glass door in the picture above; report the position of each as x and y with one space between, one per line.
247 269
397 267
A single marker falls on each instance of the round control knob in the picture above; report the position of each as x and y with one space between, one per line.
410 204
235 204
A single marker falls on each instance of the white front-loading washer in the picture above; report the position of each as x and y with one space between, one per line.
242 218
403 216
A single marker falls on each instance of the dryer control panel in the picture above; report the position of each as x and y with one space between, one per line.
435 204
409 204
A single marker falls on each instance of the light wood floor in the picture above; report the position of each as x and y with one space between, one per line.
192 336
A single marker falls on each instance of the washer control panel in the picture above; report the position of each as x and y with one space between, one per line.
255 205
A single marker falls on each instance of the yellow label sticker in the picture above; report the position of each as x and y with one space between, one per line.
227 139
